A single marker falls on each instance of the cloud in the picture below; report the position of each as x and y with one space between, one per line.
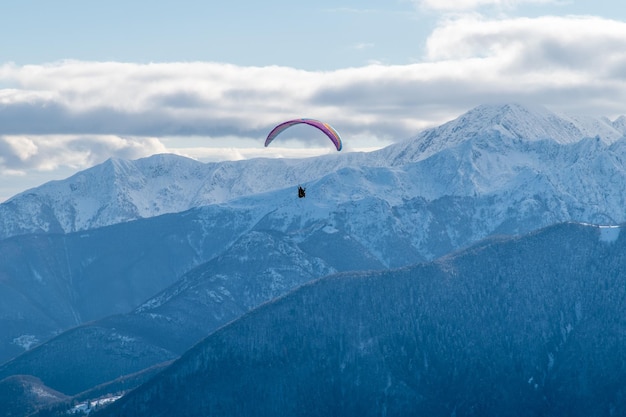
467 5
363 45
548 41
73 113
49 152
215 154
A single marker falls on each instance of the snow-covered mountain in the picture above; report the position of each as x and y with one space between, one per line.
527 123
394 207
129 230
119 190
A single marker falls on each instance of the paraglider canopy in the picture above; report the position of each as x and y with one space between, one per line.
324 127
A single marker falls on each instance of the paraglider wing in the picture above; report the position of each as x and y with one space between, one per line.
324 127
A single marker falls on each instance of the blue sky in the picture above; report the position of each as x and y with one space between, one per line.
318 35
82 81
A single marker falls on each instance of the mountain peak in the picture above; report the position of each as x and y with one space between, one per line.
534 122
515 121
120 190
620 124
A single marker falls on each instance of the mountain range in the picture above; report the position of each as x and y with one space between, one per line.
526 326
130 263
120 190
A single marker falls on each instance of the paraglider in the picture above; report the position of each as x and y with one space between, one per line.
324 127
327 129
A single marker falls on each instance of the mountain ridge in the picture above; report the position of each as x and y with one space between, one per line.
22 395
409 203
513 326
512 120
391 213
119 190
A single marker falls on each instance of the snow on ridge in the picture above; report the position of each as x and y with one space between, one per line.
26 341
620 124
514 121
120 190
609 234
534 122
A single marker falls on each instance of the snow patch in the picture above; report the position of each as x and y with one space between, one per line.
37 275
88 406
42 393
329 229
26 341
609 233
123 338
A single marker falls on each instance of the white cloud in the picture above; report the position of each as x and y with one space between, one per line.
467 5
23 148
75 113
554 40
49 152
215 154
363 45
549 59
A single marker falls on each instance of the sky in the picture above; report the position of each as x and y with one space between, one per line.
84 81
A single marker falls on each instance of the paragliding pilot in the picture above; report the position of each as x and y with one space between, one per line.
301 192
